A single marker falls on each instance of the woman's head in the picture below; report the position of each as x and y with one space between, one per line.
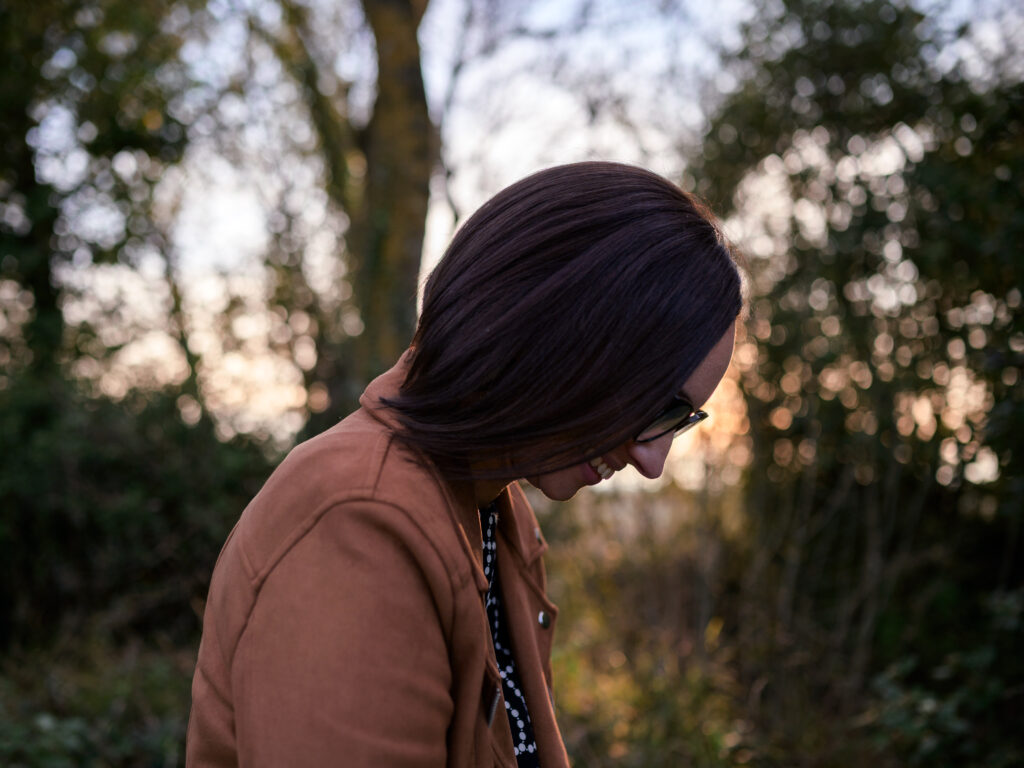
649 445
565 313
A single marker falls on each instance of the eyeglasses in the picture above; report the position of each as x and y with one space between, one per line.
677 417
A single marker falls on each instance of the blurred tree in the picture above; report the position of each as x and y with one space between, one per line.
376 166
86 131
872 161
106 103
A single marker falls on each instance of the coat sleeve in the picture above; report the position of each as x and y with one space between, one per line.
344 658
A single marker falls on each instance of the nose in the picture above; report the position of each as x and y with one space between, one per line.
649 458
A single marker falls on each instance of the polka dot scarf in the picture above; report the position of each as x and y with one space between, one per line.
515 701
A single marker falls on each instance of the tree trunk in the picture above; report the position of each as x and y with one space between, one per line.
401 153
385 239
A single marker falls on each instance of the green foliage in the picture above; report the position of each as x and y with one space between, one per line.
95 705
116 508
943 715
641 675
873 162
648 661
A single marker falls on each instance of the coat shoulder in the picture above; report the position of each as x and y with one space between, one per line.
357 463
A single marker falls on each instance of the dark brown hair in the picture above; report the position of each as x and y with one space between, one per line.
565 314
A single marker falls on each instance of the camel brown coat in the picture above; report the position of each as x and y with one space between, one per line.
345 623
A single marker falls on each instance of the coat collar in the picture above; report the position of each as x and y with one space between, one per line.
460 494
384 386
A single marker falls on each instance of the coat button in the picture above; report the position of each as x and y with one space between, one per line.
544 619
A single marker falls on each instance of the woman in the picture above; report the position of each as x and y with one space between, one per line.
381 602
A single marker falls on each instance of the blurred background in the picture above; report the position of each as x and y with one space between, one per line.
214 217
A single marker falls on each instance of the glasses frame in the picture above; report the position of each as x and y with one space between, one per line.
692 417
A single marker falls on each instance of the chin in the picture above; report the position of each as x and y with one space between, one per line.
554 490
560 495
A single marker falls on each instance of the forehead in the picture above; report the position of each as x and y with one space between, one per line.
705 377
